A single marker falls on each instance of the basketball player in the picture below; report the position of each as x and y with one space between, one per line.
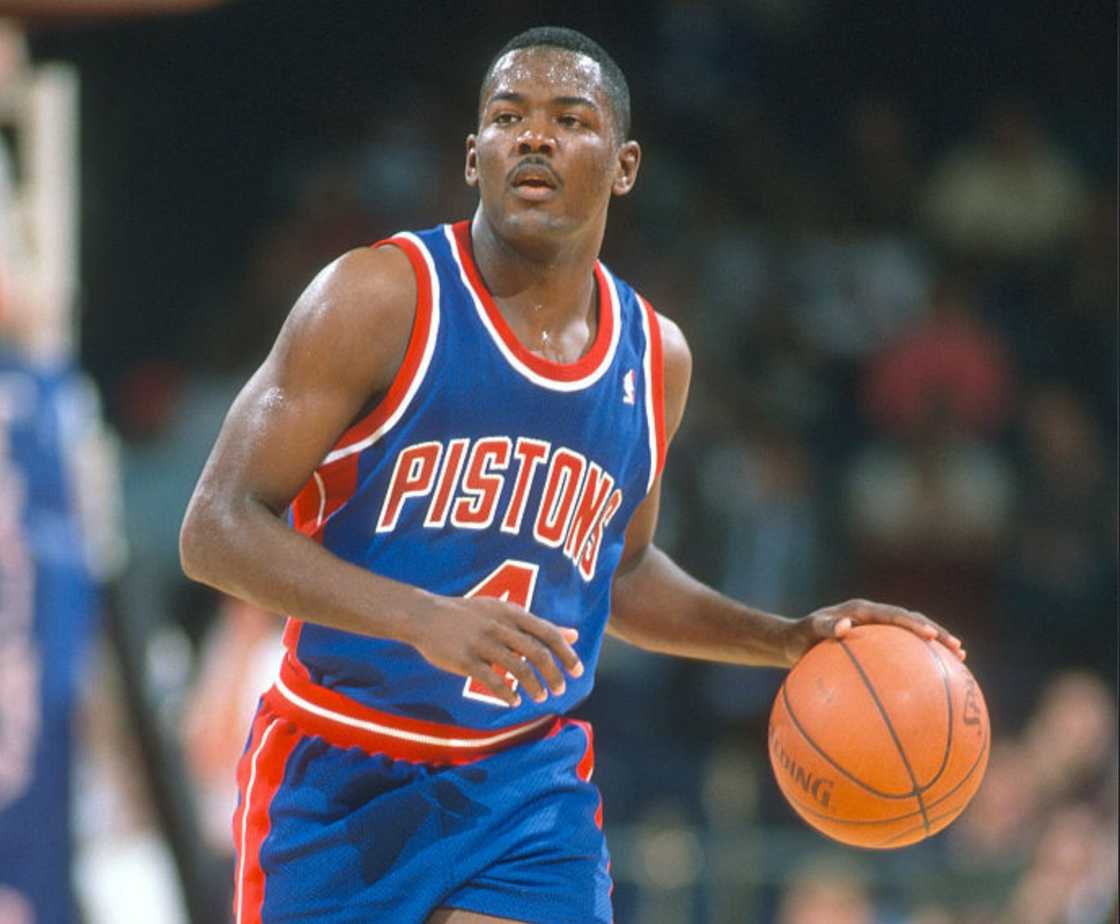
447 474
48 593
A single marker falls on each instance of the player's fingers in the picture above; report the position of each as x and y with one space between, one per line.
489 678
540 657
916 622
830 623
511 661
927 628
557 640
949 640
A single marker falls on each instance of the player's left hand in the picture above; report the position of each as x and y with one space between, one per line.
838 620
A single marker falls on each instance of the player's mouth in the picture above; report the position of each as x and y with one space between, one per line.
534 181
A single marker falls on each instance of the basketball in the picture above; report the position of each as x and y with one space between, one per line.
879 739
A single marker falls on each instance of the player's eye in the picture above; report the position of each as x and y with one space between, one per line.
505 118
570 121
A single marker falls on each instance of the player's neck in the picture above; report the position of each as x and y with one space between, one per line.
541 290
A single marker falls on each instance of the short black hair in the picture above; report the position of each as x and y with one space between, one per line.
614 81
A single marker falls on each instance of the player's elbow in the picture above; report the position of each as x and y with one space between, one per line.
200 529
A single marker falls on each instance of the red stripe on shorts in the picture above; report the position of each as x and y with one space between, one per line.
586 765
259 775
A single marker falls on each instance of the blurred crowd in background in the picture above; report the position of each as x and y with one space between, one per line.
902 304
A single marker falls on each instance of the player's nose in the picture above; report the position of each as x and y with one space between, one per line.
535 138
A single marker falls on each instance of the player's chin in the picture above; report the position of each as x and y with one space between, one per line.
536 220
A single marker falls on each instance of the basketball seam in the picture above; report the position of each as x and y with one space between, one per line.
949 702
971 770
879 821
816 747
917 792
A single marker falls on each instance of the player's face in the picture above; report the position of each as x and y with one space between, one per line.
547 158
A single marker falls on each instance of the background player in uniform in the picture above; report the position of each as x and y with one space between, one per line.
466 429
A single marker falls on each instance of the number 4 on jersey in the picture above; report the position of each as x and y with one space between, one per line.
512 581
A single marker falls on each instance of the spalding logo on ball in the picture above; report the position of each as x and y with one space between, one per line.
879 739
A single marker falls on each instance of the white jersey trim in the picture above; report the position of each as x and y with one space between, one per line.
651 419
389 731
245 816
535 377
422 369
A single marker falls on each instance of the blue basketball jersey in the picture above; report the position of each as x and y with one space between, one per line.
47 605
485 470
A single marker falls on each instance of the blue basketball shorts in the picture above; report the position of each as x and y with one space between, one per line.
338 823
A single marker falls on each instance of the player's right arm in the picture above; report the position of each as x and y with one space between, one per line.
336 354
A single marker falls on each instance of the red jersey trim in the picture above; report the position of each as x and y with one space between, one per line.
655 391
586 370
345 723
417 357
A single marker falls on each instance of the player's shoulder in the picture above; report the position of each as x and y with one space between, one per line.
674 344
676 368
367 290
367 278
353 320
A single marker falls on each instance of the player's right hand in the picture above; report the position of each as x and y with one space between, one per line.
484 638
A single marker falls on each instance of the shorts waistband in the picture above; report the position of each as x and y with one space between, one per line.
345 723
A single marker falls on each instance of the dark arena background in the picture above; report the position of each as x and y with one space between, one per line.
889 231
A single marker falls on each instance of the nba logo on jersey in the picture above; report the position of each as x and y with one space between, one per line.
628 388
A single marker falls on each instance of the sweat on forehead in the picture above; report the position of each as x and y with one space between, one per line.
572 71
556 63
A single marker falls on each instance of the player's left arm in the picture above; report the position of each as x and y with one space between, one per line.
657 606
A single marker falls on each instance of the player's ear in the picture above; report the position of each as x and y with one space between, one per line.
470 168
629 159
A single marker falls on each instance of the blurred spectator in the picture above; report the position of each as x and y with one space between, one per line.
925 519
736 276
931 914
996 830
1061 568
759 489
698 60
928 503
1071 740
321 216
858 291
1011 194
171 422
827 892
1094 276
1039 840
125 871
1072 877
1083 330
879 179
240 657
950 364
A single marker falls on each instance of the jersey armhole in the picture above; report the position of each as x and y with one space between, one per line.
421 343
334 481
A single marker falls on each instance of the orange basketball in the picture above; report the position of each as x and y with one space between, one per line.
879 739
